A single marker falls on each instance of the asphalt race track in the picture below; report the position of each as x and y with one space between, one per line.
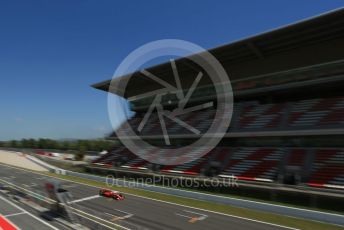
23 219
134 212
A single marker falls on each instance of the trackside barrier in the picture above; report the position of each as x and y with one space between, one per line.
260 206
46 165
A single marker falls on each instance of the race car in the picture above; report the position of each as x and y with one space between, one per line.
111 194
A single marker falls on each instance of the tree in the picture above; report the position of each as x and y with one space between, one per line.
81 153
14 144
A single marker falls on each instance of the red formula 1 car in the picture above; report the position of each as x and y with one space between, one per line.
111 194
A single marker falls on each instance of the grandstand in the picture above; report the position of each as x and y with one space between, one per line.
288 120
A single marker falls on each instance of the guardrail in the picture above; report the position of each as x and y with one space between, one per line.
42 163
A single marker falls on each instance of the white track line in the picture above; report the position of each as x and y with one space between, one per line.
82 216
127 214
84 199
33 216
15 214
200 214
98 218
189 217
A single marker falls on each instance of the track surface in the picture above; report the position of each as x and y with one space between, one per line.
24 219
134 212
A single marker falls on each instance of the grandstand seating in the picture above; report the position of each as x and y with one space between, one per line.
257 164
328 169
254 116
248 163
258 116
317 113
136 163
119 155
254 163
191 168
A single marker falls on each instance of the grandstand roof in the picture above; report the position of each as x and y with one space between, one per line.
305 43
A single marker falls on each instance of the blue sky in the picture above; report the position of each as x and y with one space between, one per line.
52 51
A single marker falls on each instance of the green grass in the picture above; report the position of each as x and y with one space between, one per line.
231 210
